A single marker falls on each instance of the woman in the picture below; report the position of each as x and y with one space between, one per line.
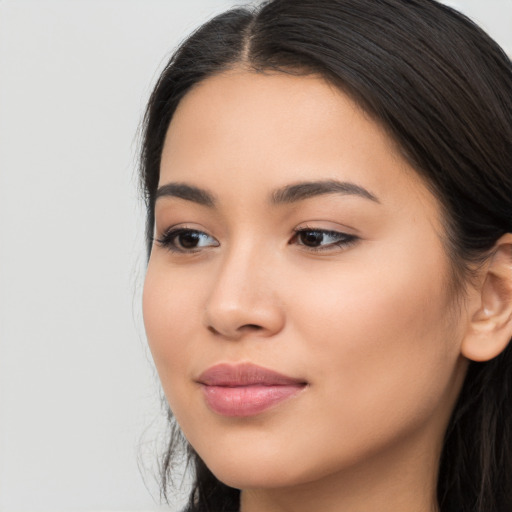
328 298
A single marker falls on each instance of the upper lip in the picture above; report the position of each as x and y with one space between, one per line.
245 374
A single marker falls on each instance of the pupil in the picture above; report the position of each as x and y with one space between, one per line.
312 238
189 240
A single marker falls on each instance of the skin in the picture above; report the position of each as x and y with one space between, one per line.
372 326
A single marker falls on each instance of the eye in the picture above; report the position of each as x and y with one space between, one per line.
186 240
320 239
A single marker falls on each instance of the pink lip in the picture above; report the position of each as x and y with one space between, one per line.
246 389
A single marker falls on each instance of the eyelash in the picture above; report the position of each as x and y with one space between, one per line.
169 239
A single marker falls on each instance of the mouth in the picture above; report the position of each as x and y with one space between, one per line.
246 389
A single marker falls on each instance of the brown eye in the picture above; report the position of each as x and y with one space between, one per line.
311 238
186 240
319 239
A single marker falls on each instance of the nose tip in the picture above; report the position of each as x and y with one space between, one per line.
234 311
240 321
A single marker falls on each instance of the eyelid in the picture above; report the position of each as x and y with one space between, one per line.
324 225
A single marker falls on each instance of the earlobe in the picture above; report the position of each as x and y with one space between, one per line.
490 328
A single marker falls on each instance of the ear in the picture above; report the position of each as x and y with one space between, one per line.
490 328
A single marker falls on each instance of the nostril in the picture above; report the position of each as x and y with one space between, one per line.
237 332
252 327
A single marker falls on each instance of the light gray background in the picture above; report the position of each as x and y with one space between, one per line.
79 401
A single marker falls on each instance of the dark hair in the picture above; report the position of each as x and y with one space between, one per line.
442 89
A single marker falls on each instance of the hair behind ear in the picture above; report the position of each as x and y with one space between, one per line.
479 439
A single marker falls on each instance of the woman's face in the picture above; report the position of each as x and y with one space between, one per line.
291 236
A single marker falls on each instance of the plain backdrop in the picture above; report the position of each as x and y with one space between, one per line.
80 413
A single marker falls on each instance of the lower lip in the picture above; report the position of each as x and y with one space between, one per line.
247 400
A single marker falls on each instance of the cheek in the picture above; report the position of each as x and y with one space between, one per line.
171 308
384 336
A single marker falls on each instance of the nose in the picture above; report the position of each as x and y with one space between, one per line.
244 298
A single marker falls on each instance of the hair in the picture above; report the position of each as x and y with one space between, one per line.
442 89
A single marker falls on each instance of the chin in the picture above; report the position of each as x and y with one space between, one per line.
246 475
267 467
241 466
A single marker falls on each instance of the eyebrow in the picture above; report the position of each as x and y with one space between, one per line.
307 189
187 192
285 195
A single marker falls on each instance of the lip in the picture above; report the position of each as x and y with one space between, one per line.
246 389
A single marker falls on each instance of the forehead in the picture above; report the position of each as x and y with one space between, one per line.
243 131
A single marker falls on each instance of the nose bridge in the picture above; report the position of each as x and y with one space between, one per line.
243 296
